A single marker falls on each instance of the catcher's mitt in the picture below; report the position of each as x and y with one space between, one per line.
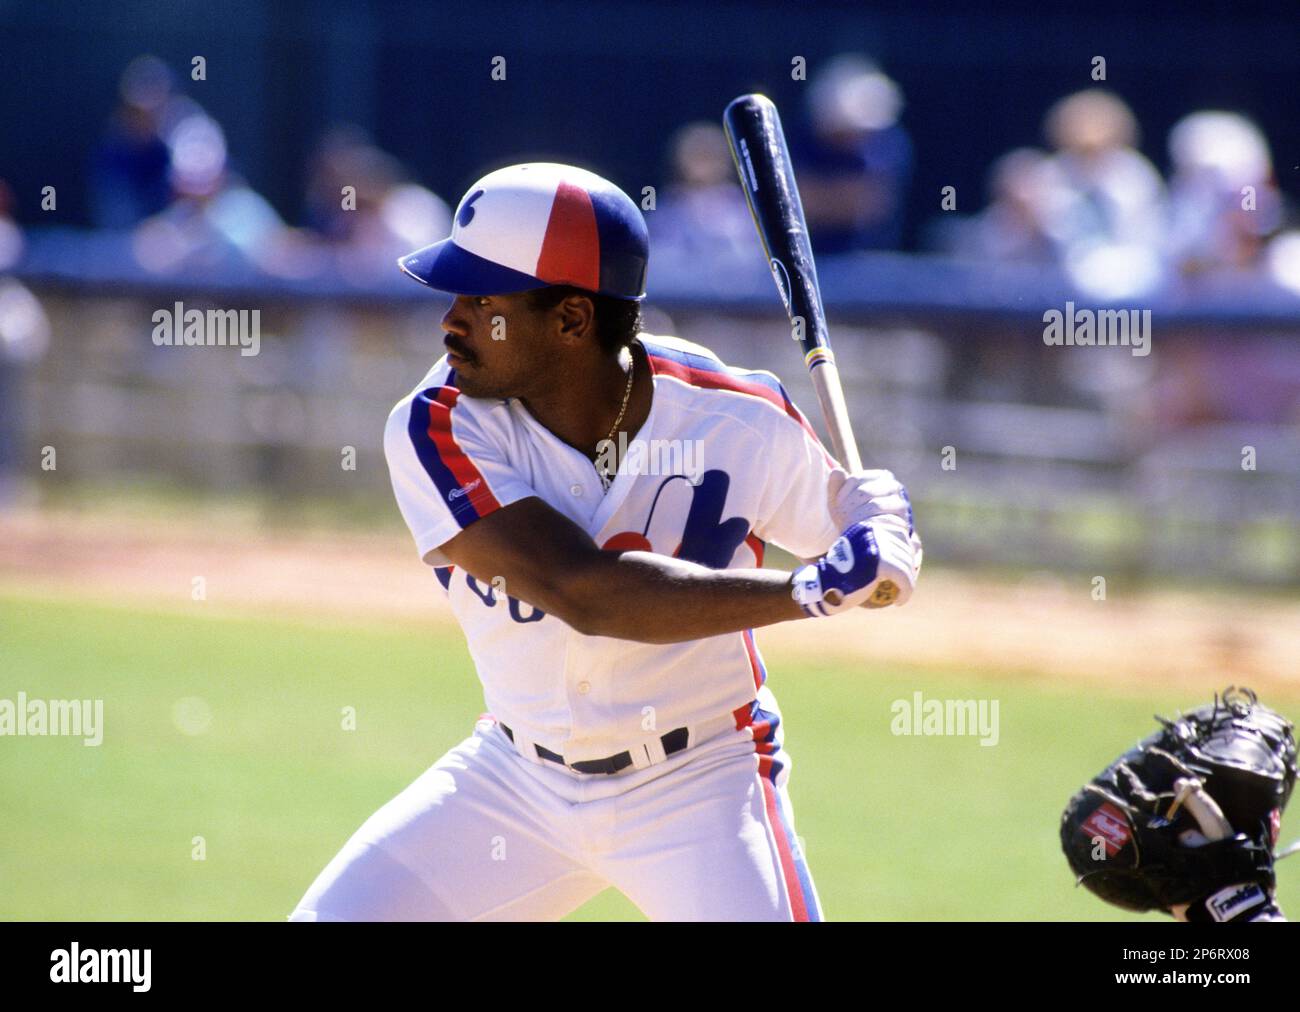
1191 811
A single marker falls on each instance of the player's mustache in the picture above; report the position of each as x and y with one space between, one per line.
457 348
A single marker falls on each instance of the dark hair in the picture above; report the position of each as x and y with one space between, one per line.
617 320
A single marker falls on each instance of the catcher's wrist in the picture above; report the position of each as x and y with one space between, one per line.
1247 901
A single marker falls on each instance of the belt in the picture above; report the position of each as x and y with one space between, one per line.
673 741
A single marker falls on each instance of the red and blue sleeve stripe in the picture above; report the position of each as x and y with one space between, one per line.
710 374
462 485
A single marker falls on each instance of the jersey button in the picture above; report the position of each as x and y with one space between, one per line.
584 687
576 489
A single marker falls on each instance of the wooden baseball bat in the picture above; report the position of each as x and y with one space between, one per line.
767 177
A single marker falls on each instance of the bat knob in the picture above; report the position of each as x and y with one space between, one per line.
885 594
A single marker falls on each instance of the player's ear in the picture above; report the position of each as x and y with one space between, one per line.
576 316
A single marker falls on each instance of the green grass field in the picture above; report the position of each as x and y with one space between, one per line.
895 828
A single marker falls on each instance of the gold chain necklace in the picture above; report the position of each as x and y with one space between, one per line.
606 479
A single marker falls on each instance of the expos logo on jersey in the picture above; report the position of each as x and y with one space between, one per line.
705 537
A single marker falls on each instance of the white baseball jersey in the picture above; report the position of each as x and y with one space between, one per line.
723 464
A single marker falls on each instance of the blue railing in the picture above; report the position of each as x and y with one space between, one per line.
863 286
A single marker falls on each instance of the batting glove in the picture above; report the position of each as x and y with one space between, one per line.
870 565
865 495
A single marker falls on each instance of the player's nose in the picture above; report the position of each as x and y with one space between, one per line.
455 320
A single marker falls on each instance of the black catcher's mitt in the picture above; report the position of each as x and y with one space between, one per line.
1191 811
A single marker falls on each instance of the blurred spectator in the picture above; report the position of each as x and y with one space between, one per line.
701 216
215 218
1012 228
1283 260
381 216
345 157
1222 198
855 164
11 236
24 336
163 170
1103 201
129 167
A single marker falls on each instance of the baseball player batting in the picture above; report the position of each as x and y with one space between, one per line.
632 739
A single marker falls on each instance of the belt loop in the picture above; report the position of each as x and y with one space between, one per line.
528 749
652 752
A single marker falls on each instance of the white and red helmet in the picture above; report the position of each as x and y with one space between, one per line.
539 224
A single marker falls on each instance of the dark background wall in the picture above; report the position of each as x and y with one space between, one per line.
606 84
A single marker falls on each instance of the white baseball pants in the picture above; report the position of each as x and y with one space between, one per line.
485 834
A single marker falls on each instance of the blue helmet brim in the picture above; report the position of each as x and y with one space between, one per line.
448 268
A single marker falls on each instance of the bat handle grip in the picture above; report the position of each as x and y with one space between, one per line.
826 381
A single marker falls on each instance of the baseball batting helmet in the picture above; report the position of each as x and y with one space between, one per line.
534 225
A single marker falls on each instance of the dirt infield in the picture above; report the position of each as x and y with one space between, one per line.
1038 628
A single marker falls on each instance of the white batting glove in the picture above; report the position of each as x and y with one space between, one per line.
866 495
870 565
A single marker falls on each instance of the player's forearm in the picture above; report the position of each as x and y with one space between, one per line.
657 599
